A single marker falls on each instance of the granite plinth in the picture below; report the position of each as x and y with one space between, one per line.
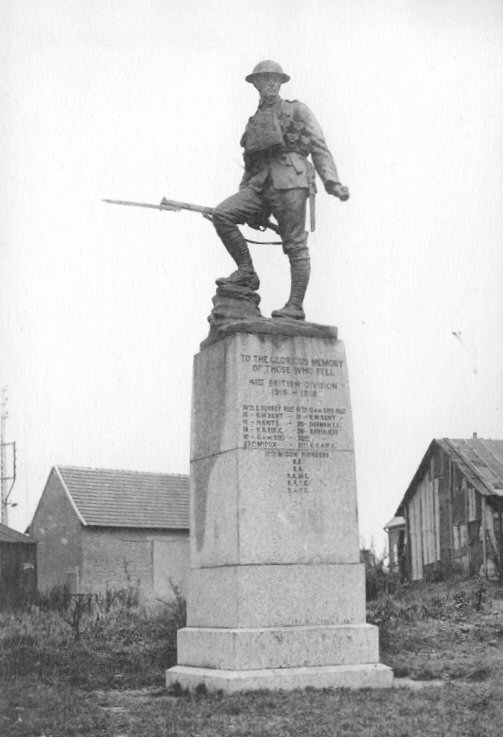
276 590
272 459
366 675
254 506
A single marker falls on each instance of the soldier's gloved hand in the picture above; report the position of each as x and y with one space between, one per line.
256 224
338 190
258 220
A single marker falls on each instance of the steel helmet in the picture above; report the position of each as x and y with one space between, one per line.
268 67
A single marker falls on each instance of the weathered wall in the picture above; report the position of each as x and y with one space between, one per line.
492 513
115 558
450 525
423 526
57 531
18 573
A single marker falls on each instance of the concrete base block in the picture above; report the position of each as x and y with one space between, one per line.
277 647
373 675
276 595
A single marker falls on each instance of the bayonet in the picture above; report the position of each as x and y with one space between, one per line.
165 204
176 206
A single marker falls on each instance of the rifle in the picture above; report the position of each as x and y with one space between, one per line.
206 212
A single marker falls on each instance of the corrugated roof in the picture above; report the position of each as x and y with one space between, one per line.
481 461
109 498
7 534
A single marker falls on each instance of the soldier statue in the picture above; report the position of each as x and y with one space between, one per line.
278 178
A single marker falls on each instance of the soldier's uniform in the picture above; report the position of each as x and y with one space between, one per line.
278 178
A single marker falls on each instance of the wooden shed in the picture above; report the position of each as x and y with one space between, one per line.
453 511
18 567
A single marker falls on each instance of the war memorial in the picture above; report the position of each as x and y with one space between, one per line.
276 589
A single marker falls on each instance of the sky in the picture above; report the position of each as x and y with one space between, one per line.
102 308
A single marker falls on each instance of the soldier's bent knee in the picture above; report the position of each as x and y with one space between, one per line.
222 219
219 215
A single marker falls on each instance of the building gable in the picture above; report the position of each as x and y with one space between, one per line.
57 529
480 461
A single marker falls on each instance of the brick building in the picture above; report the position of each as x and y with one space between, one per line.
97 529
452 512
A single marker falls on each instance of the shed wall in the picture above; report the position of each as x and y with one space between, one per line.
423 516
18 572
450 526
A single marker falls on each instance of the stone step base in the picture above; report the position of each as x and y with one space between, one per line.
277 647
373 675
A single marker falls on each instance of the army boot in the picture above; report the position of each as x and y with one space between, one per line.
245 275
300 269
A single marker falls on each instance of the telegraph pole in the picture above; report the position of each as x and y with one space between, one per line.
7 475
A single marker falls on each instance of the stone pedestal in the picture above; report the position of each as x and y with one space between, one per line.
276 590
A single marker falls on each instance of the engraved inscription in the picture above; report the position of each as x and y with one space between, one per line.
292 411
291 426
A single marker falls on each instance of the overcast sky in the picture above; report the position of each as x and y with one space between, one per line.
102 307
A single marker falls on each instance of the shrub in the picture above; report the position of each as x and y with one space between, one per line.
397 615
378 578
58 599
91 641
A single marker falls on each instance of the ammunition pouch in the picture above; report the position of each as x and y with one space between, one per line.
263 132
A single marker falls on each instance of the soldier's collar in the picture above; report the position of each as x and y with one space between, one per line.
271 103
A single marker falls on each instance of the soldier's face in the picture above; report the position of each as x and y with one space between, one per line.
268 85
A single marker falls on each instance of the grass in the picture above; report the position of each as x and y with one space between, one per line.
450 630
90 643
461 710
110 679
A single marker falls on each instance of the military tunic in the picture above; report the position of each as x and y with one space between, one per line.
278 177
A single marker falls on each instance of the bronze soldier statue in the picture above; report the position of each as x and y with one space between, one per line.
278 179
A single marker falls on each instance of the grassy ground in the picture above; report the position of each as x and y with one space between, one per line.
109 679
335 713
455 710
448 630
100 646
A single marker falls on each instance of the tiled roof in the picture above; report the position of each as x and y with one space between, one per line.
109 498
7 534
481 461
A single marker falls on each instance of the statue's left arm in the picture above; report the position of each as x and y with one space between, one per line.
322 158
